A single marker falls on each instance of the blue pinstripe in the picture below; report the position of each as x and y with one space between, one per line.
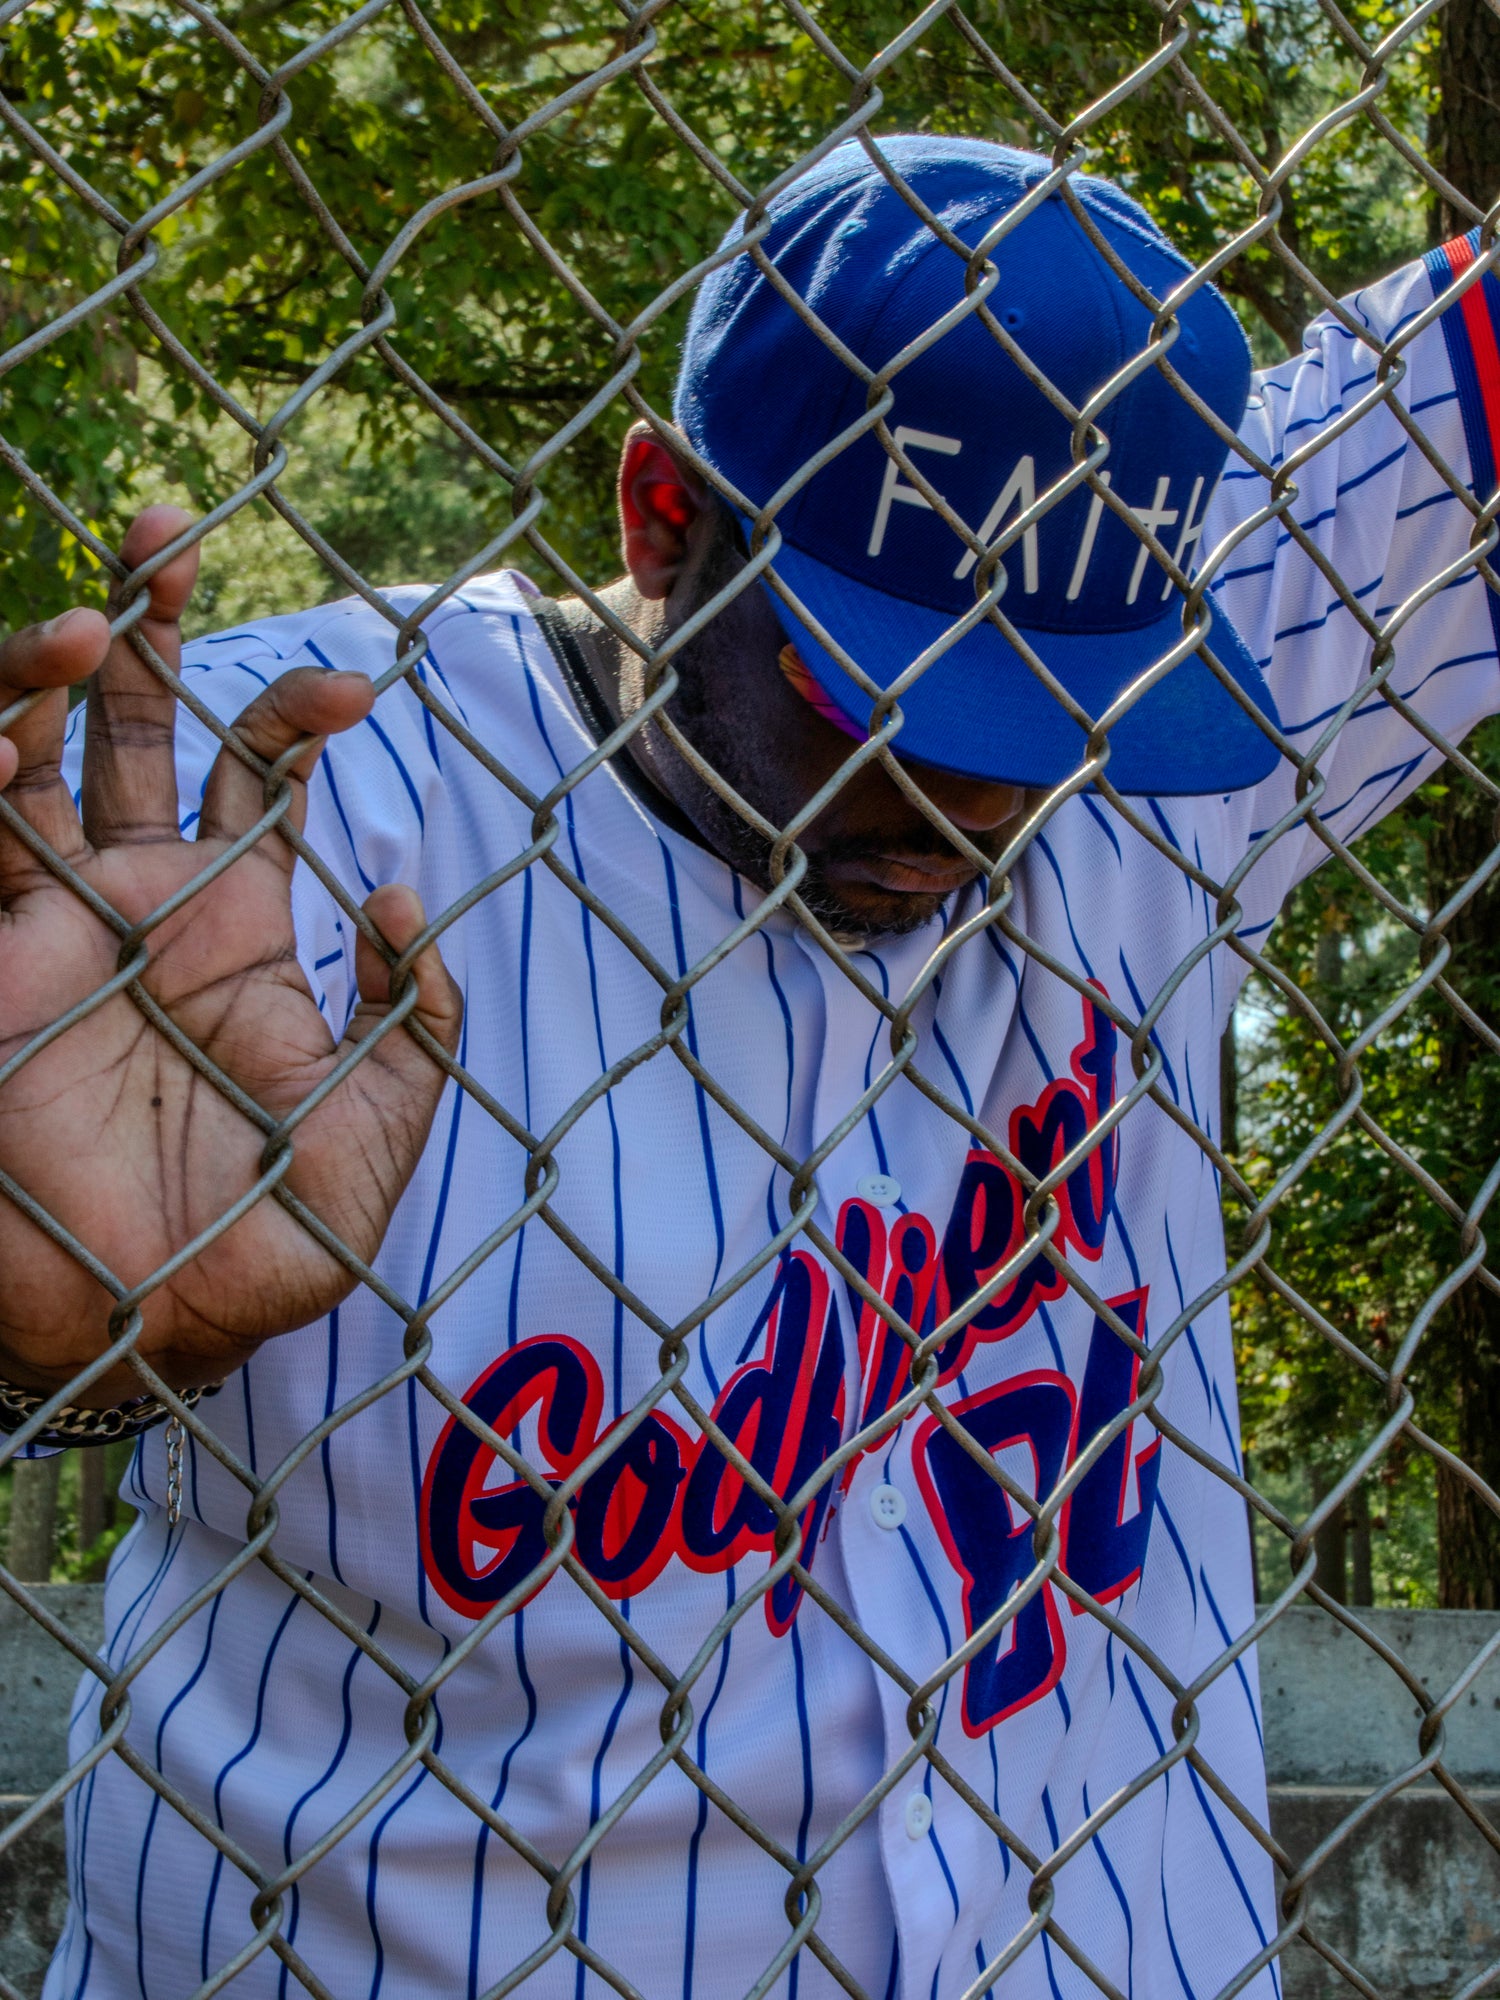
381 1824
434 1240
325 1450
1160 1747
895 1972
1097 1843
329 1770
700 1097
695 1841
1239 1665
476 1908
1163 1514
627 1673
237 1759
1051 1818
161 1730
804 1735
1155 1035
326 766
1187 1332
424 1289
513 1334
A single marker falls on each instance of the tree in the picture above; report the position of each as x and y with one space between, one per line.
1460 837
1357 1238
137 98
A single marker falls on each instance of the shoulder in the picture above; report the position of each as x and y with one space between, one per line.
483 655
468 656
485 623
1340 364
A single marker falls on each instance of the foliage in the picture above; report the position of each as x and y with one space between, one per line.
1354 1237
138 98
73 1561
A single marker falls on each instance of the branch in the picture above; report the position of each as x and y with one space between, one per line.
450 389
1277 314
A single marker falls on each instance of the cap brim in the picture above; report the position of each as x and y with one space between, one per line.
980 711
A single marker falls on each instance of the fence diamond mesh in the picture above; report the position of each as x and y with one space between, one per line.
566 1489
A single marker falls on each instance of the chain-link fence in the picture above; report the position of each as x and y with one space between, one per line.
771 1508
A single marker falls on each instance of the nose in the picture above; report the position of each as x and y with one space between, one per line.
975 805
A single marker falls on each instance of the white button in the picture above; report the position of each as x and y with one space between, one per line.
880 1189
918 1815
888 1505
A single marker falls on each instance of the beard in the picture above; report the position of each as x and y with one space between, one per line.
885 913
709 670
878 912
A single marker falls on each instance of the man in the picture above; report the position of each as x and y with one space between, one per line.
683 1765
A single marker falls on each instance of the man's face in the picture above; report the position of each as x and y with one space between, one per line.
876 865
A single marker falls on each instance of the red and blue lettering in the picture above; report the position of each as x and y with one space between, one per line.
1104 1540
988 1537
785 1415
480 1542
987 1226
659 1493
900 1264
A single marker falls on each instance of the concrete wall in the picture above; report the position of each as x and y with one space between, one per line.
1335 1714
1413 1899
37 1679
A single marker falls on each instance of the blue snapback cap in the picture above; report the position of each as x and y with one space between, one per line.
759 394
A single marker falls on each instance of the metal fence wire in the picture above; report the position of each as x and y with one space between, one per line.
943 1769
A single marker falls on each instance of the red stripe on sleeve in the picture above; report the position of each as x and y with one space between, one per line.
1480 329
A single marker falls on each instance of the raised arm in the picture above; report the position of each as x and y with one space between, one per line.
113 1132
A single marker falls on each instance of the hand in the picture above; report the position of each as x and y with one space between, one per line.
121 1141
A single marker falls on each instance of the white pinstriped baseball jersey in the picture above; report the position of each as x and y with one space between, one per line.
277 1725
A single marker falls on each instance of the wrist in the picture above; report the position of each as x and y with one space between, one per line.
75 1425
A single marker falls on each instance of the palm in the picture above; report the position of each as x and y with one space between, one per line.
122 1141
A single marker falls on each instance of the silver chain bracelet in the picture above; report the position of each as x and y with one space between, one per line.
174 1469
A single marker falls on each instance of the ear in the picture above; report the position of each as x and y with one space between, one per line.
660 504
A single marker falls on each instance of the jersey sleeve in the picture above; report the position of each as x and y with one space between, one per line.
1389 517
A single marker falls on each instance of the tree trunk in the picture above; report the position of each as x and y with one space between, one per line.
1464 1351
1466 128
1466 1348
1229 1142
1229 1091
1361 1546
1331 1546
96 1510
33 1518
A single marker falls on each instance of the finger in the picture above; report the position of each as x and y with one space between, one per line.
309 702
34 786
396 912
129 775
50 656
43 657
379 1119
66 649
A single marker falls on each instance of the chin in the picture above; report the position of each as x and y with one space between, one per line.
858 917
